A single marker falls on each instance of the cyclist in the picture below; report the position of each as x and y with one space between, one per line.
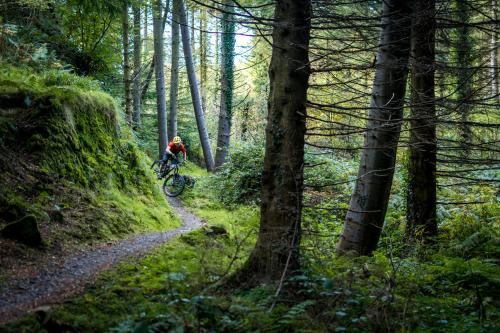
174 147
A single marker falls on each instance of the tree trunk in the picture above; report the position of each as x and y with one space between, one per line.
226 83
160 77
203 56
217 46
421 208
193 36
365 217
126 65
465 72
195 93
494 54
174 74
244 121
136 91
276 253
149 76
145 37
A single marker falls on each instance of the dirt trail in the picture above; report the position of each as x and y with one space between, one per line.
61 277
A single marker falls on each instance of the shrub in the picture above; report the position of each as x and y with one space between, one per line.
239 179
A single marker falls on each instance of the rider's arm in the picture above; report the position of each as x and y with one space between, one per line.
184 152
168 151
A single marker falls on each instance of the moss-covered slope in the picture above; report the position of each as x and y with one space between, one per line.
65 159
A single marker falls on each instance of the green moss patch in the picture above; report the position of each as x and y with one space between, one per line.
67 158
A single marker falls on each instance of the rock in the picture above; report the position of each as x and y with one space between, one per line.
215 230
24 230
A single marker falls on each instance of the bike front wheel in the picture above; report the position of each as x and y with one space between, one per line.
174 185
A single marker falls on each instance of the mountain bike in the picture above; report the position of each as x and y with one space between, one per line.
174 183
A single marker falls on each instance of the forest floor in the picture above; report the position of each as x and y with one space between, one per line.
60 277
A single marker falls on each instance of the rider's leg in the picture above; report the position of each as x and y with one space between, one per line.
164 163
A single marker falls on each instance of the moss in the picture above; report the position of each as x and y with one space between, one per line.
66 146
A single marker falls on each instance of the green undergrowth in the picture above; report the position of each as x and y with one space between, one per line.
68 159
170 281
177 288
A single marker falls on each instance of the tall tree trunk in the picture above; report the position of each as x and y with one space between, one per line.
174 74
226 83
195 93
149 76
145 37
203 56
126 65
193 36
160 76
464 82
421 208
136 90
276 253
365 217
494 54
217 46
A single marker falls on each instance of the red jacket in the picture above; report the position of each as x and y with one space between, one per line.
176 148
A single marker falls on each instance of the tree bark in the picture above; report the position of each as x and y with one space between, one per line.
174 74
195 93
421 207
126 65
160 77
136 90
365 217
226 83
494 54
276 253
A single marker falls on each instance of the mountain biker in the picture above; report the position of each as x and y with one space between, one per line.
174 147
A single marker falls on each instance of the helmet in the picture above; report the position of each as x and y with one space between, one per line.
177 139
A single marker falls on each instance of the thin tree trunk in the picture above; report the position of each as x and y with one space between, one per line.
464 83
149 76
494 54
193 36
174 74
195 93
126 65
276 253
160 77
226 83
365 217
145 37
136 91
244 121
203 56
421 208
217 46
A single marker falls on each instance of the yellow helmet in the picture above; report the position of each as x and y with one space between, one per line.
177 139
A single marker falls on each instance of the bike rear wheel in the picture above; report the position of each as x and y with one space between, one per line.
174 185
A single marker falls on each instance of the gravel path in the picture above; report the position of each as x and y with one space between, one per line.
62 278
